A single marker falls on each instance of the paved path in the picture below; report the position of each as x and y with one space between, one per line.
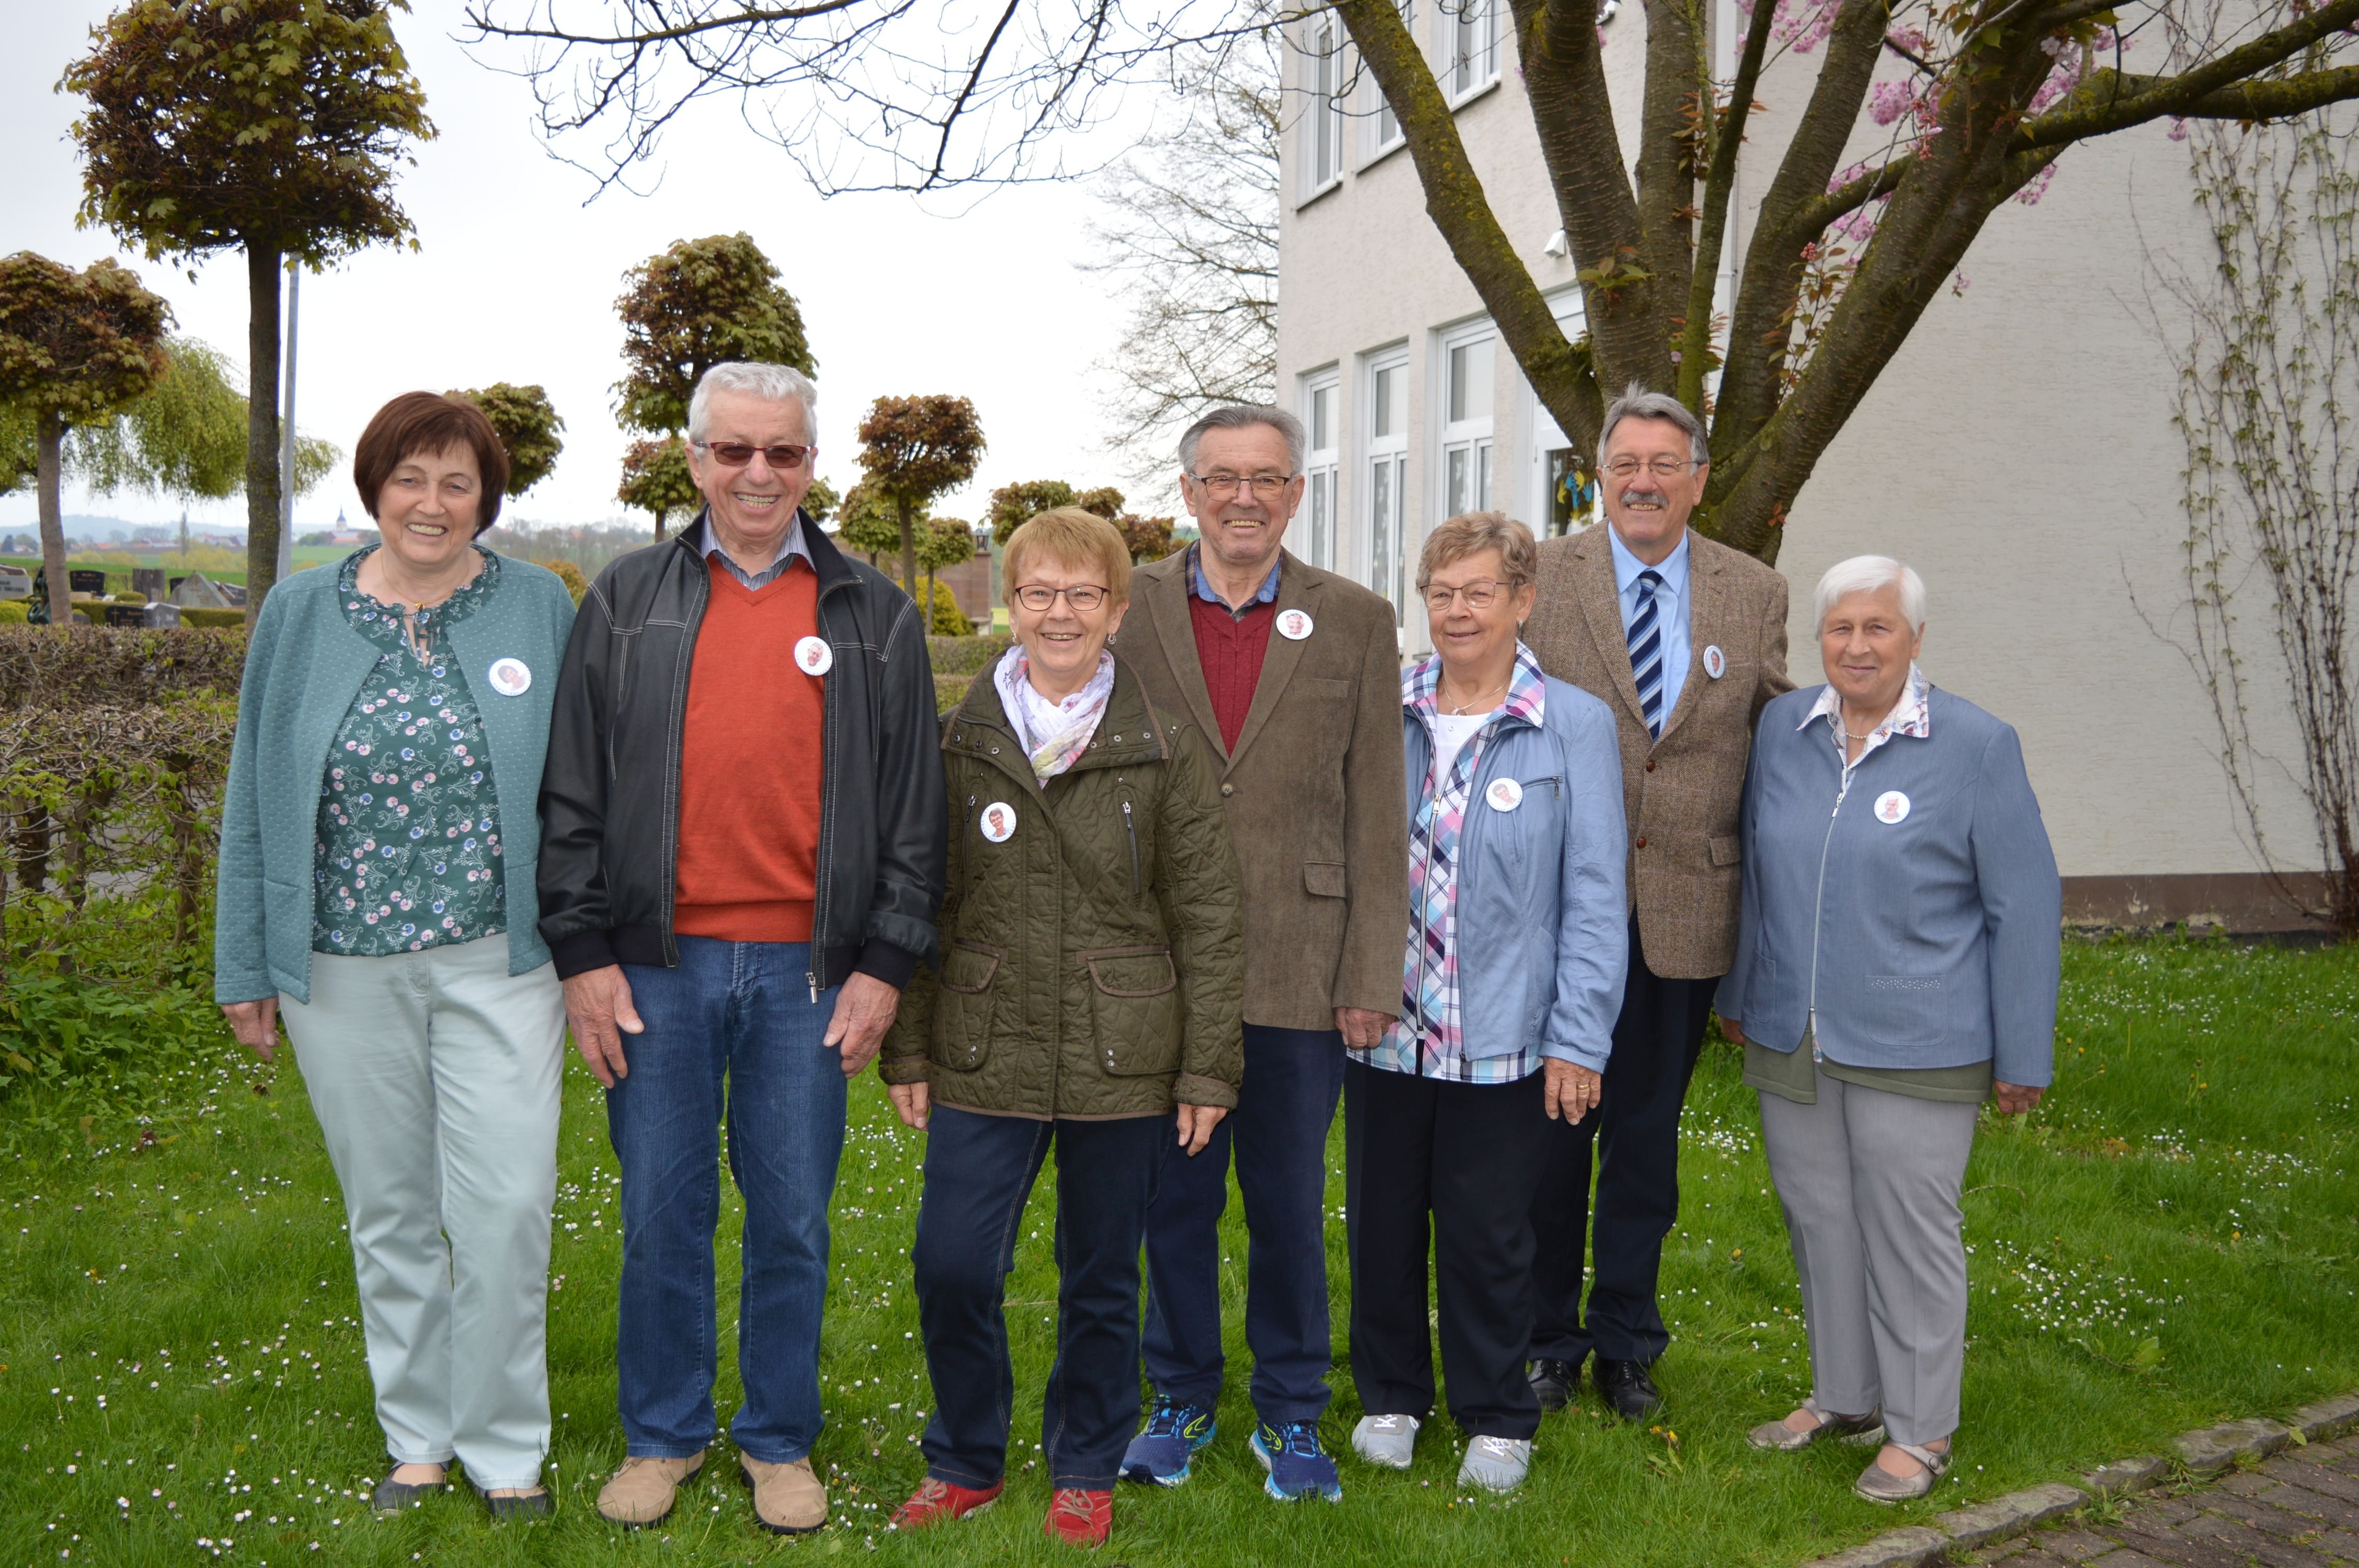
2299 1509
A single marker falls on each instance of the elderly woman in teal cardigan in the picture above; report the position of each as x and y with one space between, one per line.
378 839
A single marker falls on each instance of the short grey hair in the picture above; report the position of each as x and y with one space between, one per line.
771 383
1870 574
1637 403
1243 416
1471 533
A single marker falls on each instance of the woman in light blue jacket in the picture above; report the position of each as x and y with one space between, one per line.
379 832
1896 964
1518 939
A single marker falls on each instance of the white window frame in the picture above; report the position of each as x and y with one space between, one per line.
1466 35
1383 126
1541 435
1324 77
1321 465
1465 472
1385 463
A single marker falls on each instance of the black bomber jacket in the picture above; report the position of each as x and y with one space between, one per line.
610 789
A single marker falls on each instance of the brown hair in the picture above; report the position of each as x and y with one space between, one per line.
418 423
1471 533
1074 537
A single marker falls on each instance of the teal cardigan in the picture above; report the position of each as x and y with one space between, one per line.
303 669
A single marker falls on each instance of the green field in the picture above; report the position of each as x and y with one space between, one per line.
117 567
2168 1242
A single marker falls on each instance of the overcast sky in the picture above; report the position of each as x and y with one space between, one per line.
515 281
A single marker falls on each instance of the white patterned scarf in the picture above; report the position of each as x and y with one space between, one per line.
1053 733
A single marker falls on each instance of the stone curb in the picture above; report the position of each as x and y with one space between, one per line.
2206 1453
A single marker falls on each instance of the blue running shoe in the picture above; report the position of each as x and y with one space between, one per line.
1298 1467
1175 1430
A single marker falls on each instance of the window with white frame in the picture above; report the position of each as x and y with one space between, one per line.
1322 119
1384 125
1468 362
1470 44
1386 399
1321 404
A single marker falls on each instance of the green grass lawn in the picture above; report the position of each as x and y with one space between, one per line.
2168 1242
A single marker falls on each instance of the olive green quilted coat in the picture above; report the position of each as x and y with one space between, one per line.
1093 959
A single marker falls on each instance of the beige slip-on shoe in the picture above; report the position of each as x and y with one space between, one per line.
1878 1484
643 1490
787 1498
1777 1436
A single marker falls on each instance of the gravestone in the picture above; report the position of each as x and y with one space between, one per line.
148 582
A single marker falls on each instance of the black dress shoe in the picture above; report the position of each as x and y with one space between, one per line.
1553 1379
1627 1388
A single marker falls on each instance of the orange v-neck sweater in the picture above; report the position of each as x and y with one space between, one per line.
750 765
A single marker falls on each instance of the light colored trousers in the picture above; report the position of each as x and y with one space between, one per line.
435 1077
1870 1184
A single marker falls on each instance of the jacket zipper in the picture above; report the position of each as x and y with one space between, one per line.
1819 905
1132 832
826 803
680 667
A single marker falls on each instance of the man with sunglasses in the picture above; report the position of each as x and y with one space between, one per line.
1685 639
741 861
1294 673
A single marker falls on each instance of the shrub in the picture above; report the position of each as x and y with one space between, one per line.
948 620
127 597
570 576
215 620
118 665
964 655
13 612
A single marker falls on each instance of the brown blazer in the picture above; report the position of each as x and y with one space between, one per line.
1313 791
1680 793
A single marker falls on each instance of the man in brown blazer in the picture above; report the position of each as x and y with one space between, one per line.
1685 639
1295 674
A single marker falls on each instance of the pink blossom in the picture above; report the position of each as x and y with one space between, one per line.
2037 187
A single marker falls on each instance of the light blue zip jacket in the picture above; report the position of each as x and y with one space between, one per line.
1543 920
1929 937
303 669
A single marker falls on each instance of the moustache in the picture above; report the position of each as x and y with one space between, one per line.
1640 492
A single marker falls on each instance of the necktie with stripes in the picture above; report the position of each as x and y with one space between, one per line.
1646 652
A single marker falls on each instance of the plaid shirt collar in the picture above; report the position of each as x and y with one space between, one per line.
1526 689
1202 585
1911 715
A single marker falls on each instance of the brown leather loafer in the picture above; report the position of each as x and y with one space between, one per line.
787 1498
643 1491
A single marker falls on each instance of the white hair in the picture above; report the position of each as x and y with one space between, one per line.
1872 573
771 383
1245 416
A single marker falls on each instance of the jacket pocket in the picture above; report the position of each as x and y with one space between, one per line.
1728 851
1903 1009
1323 878
1135 1005
964 1002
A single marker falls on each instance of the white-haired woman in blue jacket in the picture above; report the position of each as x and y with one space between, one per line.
1896 964
1517 942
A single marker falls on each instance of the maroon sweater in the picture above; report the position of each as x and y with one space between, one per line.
1230 648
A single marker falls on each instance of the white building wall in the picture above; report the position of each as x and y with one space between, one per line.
2018 451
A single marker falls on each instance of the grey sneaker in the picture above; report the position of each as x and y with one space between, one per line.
1496 1464
1386 1440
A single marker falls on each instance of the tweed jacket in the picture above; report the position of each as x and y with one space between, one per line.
1312 791
1682 793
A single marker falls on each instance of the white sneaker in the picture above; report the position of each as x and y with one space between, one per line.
1496 1464
1386 1440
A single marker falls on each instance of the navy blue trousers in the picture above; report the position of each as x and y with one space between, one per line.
1293 1079
979 1174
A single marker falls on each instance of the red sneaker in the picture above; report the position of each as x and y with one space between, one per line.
1080 1517
935 1502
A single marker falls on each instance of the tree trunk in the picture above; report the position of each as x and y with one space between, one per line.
262 264
52 434
929 602
908 552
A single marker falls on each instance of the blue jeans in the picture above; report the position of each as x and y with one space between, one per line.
979 1171
1293 1079
731 1031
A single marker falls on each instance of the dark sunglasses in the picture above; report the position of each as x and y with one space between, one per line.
737 454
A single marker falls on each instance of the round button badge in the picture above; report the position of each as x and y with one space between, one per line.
813 656
999 822
1891 807
1505 795
1715 662
1294 624
510 677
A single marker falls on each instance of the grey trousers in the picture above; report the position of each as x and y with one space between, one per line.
1869 1181
435 1078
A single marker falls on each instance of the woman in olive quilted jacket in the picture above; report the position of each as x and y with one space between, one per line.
1091 996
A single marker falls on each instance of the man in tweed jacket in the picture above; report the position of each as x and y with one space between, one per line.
1685 639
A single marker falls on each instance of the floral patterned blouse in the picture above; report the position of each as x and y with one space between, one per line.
407 855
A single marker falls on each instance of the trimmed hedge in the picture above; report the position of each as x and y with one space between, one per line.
119 665
965 655
13 612
213 619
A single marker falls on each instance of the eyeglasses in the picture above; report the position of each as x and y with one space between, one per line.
1082 597
737 454
1479 595
1268 486
1661 468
